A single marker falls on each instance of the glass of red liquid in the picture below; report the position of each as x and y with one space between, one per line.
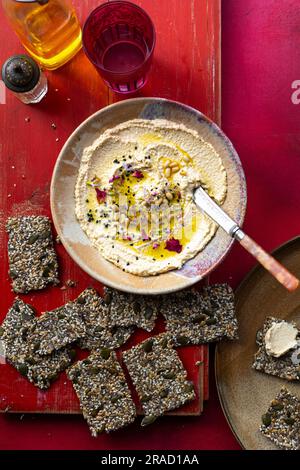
119 39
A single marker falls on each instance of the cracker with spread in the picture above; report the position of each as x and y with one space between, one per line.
278 349
32 259
103 393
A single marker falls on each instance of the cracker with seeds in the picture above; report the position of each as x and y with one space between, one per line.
20 352
158 376
281 423
32 259
103 393
197 318
58 328
286 367
99 333
131 310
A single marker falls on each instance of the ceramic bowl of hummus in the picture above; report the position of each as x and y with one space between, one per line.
122 195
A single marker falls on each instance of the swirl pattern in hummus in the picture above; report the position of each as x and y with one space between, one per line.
134 194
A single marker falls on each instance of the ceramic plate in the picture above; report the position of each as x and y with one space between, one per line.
245 394
62 195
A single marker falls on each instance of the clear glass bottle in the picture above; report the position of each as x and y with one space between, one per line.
48 29
22 75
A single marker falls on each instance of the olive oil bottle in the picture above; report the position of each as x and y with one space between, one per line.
48 29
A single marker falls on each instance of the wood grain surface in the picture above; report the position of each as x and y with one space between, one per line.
186 68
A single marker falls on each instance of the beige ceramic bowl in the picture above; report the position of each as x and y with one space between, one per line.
65 174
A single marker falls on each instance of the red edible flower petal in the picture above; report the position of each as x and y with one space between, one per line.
101 195
173 245
138 174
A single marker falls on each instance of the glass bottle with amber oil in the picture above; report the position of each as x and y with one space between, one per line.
48 29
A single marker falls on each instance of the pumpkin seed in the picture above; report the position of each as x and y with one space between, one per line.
136 307
44 235
36 346
148 420
33 238
105 353
23 369
189 387
61 316
148 345
148 312
182 340
16 306
46 272
1 331
277 406
266 419
145 398
115 397
289 421
164 393
95 370
30 361
107 298
211 321
13 274
80 300
169 375
198 318
54 377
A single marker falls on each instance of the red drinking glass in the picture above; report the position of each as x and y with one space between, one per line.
119 39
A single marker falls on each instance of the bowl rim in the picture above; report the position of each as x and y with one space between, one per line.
189 281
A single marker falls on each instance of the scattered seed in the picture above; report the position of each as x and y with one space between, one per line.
148 420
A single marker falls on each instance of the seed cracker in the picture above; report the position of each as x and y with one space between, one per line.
158 376
286 367
103 393
197 318
32 259
281 423
58 328
99 332
132 310
20 351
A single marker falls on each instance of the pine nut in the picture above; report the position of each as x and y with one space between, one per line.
175 169
186 158
173 164
169 196
167 163
168 172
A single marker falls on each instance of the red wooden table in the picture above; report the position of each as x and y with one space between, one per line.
260 45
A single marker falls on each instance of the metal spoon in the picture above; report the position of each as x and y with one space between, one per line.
206 203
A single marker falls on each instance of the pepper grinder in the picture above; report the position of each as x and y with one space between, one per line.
22 75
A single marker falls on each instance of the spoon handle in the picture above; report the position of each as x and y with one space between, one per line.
287 279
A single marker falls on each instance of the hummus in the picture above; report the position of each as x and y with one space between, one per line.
134 194
280 338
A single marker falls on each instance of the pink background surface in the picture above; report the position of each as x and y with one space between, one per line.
261 46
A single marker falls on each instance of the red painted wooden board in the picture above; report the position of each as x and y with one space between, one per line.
186 68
